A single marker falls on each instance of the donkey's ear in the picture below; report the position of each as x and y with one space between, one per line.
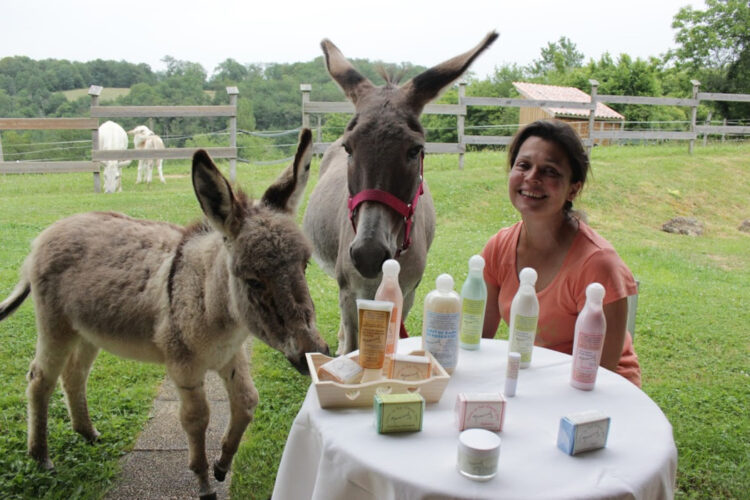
215 195
286 193
427 85
351 81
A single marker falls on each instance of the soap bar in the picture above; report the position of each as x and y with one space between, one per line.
409 367
398 412
583 431
342 369
480 411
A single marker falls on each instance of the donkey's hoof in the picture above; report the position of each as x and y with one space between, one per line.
208 496
220 473
46 465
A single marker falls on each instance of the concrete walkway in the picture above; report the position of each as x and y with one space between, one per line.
157 468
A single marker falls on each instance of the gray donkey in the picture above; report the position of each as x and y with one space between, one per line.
187 297
371 202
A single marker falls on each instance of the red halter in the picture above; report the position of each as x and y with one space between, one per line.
406 210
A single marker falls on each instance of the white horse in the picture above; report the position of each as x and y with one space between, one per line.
145 138
112 136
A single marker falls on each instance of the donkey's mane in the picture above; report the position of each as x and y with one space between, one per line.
391 79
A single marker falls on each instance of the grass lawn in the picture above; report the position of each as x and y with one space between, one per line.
691 331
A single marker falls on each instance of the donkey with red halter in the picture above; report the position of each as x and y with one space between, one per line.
186 297
371 202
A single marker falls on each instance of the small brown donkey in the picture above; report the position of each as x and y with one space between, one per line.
371 202
185 297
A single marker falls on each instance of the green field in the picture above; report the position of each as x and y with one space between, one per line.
692 336
108 94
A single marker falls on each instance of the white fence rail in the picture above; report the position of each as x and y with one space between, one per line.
98 156
310 108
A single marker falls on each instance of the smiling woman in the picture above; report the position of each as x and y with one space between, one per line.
548 168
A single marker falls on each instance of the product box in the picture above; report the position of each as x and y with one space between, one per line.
398 412
583 431
409 367
480 411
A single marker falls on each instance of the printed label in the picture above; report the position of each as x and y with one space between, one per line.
472 320
441 337
586 362
373 329
522 336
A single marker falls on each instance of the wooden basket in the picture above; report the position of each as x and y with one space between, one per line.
335 395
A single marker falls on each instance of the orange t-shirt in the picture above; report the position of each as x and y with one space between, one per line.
590 258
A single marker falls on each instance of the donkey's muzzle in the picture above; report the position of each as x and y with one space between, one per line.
368 257
300 362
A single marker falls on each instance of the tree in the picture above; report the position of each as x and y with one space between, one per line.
715 45
560 57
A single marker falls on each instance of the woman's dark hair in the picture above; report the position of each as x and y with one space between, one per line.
562 134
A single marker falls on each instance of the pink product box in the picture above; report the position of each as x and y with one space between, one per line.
480 411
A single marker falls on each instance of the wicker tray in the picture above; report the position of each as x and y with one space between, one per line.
334 395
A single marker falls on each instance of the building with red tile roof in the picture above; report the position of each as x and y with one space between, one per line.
605 118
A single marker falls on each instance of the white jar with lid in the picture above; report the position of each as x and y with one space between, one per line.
478 453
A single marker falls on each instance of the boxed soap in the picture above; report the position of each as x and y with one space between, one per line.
409 367
398 412
583 431
342 369
480 411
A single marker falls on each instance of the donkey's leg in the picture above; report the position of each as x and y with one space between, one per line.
161 172
74 376
53 346
194 416
243 398
149 170
348 307
138 177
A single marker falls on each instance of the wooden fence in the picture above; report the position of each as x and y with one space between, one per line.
98 156
460 110
24 167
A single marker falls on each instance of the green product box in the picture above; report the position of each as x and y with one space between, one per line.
398 412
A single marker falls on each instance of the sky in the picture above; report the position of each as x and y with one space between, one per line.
423 32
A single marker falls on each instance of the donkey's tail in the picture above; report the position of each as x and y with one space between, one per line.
15 299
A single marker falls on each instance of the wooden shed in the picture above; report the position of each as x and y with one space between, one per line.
605 117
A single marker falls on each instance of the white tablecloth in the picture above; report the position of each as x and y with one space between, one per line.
338 454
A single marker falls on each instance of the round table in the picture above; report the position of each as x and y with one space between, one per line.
338 454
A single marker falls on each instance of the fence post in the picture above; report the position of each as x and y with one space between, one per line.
233 92
1 148
723 134
95 91
708 122
592 114
694 113
461 119
305 88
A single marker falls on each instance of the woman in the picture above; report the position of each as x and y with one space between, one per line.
547 169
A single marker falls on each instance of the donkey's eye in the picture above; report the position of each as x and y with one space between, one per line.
347 148
414 152
256 284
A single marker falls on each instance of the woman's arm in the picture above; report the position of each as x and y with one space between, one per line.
491 312
616 314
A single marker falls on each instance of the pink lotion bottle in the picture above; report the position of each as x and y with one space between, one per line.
390 290
590 329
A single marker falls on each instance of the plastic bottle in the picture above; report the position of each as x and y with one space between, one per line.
524 316
473 302
440 323
511 374
390 290
590 329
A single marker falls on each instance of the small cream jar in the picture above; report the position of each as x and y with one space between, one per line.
478 453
